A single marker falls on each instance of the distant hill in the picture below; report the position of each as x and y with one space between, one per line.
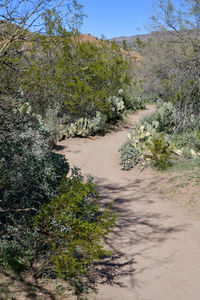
154 35
131 39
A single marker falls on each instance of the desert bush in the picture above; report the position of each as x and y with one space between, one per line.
159 150
134 98
51 122
30 175
58 127
187 116
34 204
71 227
169 117
49 224
17 243
74 86
188 142
171 66
61 127
24 180
80 75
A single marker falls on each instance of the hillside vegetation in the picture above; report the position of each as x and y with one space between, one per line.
169 71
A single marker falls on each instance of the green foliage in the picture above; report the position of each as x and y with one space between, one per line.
117 105
17 245
160 150
188 142
125 45
164 116
24 182
170 68
75 87
60 128
166 119
71 227
68 229
134 98
146 146
79 75
139 44
30 175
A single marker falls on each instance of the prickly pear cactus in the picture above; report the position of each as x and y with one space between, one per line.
146 146
117 104
84 127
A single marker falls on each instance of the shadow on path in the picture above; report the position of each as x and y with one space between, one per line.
14 285
136 227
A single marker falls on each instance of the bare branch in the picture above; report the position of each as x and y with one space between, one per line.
17 210
6 45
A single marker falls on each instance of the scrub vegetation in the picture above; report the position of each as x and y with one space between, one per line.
169 72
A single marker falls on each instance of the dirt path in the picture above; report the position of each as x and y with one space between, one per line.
156 243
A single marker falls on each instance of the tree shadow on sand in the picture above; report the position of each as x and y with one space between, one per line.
17 286
135 229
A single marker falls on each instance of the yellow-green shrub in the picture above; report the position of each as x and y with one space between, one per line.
71 227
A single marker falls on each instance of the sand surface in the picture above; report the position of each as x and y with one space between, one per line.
156 243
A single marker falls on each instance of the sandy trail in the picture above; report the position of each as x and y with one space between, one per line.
156 243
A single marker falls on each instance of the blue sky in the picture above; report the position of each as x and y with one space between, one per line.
115 18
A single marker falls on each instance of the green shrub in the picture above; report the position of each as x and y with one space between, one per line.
17 244
159 150
188 139
134 98
61 127
188 142
71 227
79 75
31 171
51 122
30 175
